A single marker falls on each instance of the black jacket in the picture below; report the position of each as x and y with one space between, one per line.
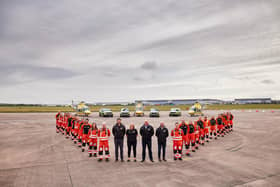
118 131
147 132
162 134
131 135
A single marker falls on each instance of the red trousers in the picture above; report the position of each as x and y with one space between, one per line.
92 142
185 140
177 145
191 138
85 138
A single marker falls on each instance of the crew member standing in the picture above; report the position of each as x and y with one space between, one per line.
131 134
184 127
212 124
231 121
147 131
192 135
118 132
93 140
220 126
57 117
206 128
177 141
85 134
200 125
103 135
162 134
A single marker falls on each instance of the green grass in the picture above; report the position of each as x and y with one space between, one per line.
22 109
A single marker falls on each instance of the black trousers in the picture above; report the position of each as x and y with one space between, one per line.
161 145
131 145
118 144
144 145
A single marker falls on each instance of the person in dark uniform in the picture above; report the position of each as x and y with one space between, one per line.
118 132
162 134
147 131
131 134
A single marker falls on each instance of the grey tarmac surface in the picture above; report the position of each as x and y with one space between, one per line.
33 154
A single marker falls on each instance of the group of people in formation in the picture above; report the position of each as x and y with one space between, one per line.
189 135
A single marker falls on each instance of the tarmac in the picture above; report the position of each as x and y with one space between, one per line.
33 154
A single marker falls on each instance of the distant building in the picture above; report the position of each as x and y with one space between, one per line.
181 101
253 101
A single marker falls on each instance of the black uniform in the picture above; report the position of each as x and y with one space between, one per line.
118 132
131 141
162 134
147 132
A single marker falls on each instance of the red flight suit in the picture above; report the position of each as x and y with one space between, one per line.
177 134
103 135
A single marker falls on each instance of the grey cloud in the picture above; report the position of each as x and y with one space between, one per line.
19 73
149 65
267 81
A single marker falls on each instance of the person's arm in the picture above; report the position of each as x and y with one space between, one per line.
152 133
109 133
113 130
167 134
157 132
141 131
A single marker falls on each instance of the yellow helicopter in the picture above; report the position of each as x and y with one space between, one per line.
195 110
82 109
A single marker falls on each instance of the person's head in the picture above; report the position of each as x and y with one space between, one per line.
119 120
131 127
146 122
183 121
205 118
190 122
213 117
86 120
199 118
94 126
177 125
104 125
161 124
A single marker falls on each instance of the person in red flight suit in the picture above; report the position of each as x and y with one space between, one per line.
184 126
57 117
196 133
93 140
200 126
220 126
62 123
226 123
212 123
68 126
177 134
80 133
74 119
76 130
103 135
192 135
85 134
206 128
231 121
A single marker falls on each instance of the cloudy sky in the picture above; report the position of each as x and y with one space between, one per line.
56 51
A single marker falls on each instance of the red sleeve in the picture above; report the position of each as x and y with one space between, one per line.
182 132
109 133
98 134
172 133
